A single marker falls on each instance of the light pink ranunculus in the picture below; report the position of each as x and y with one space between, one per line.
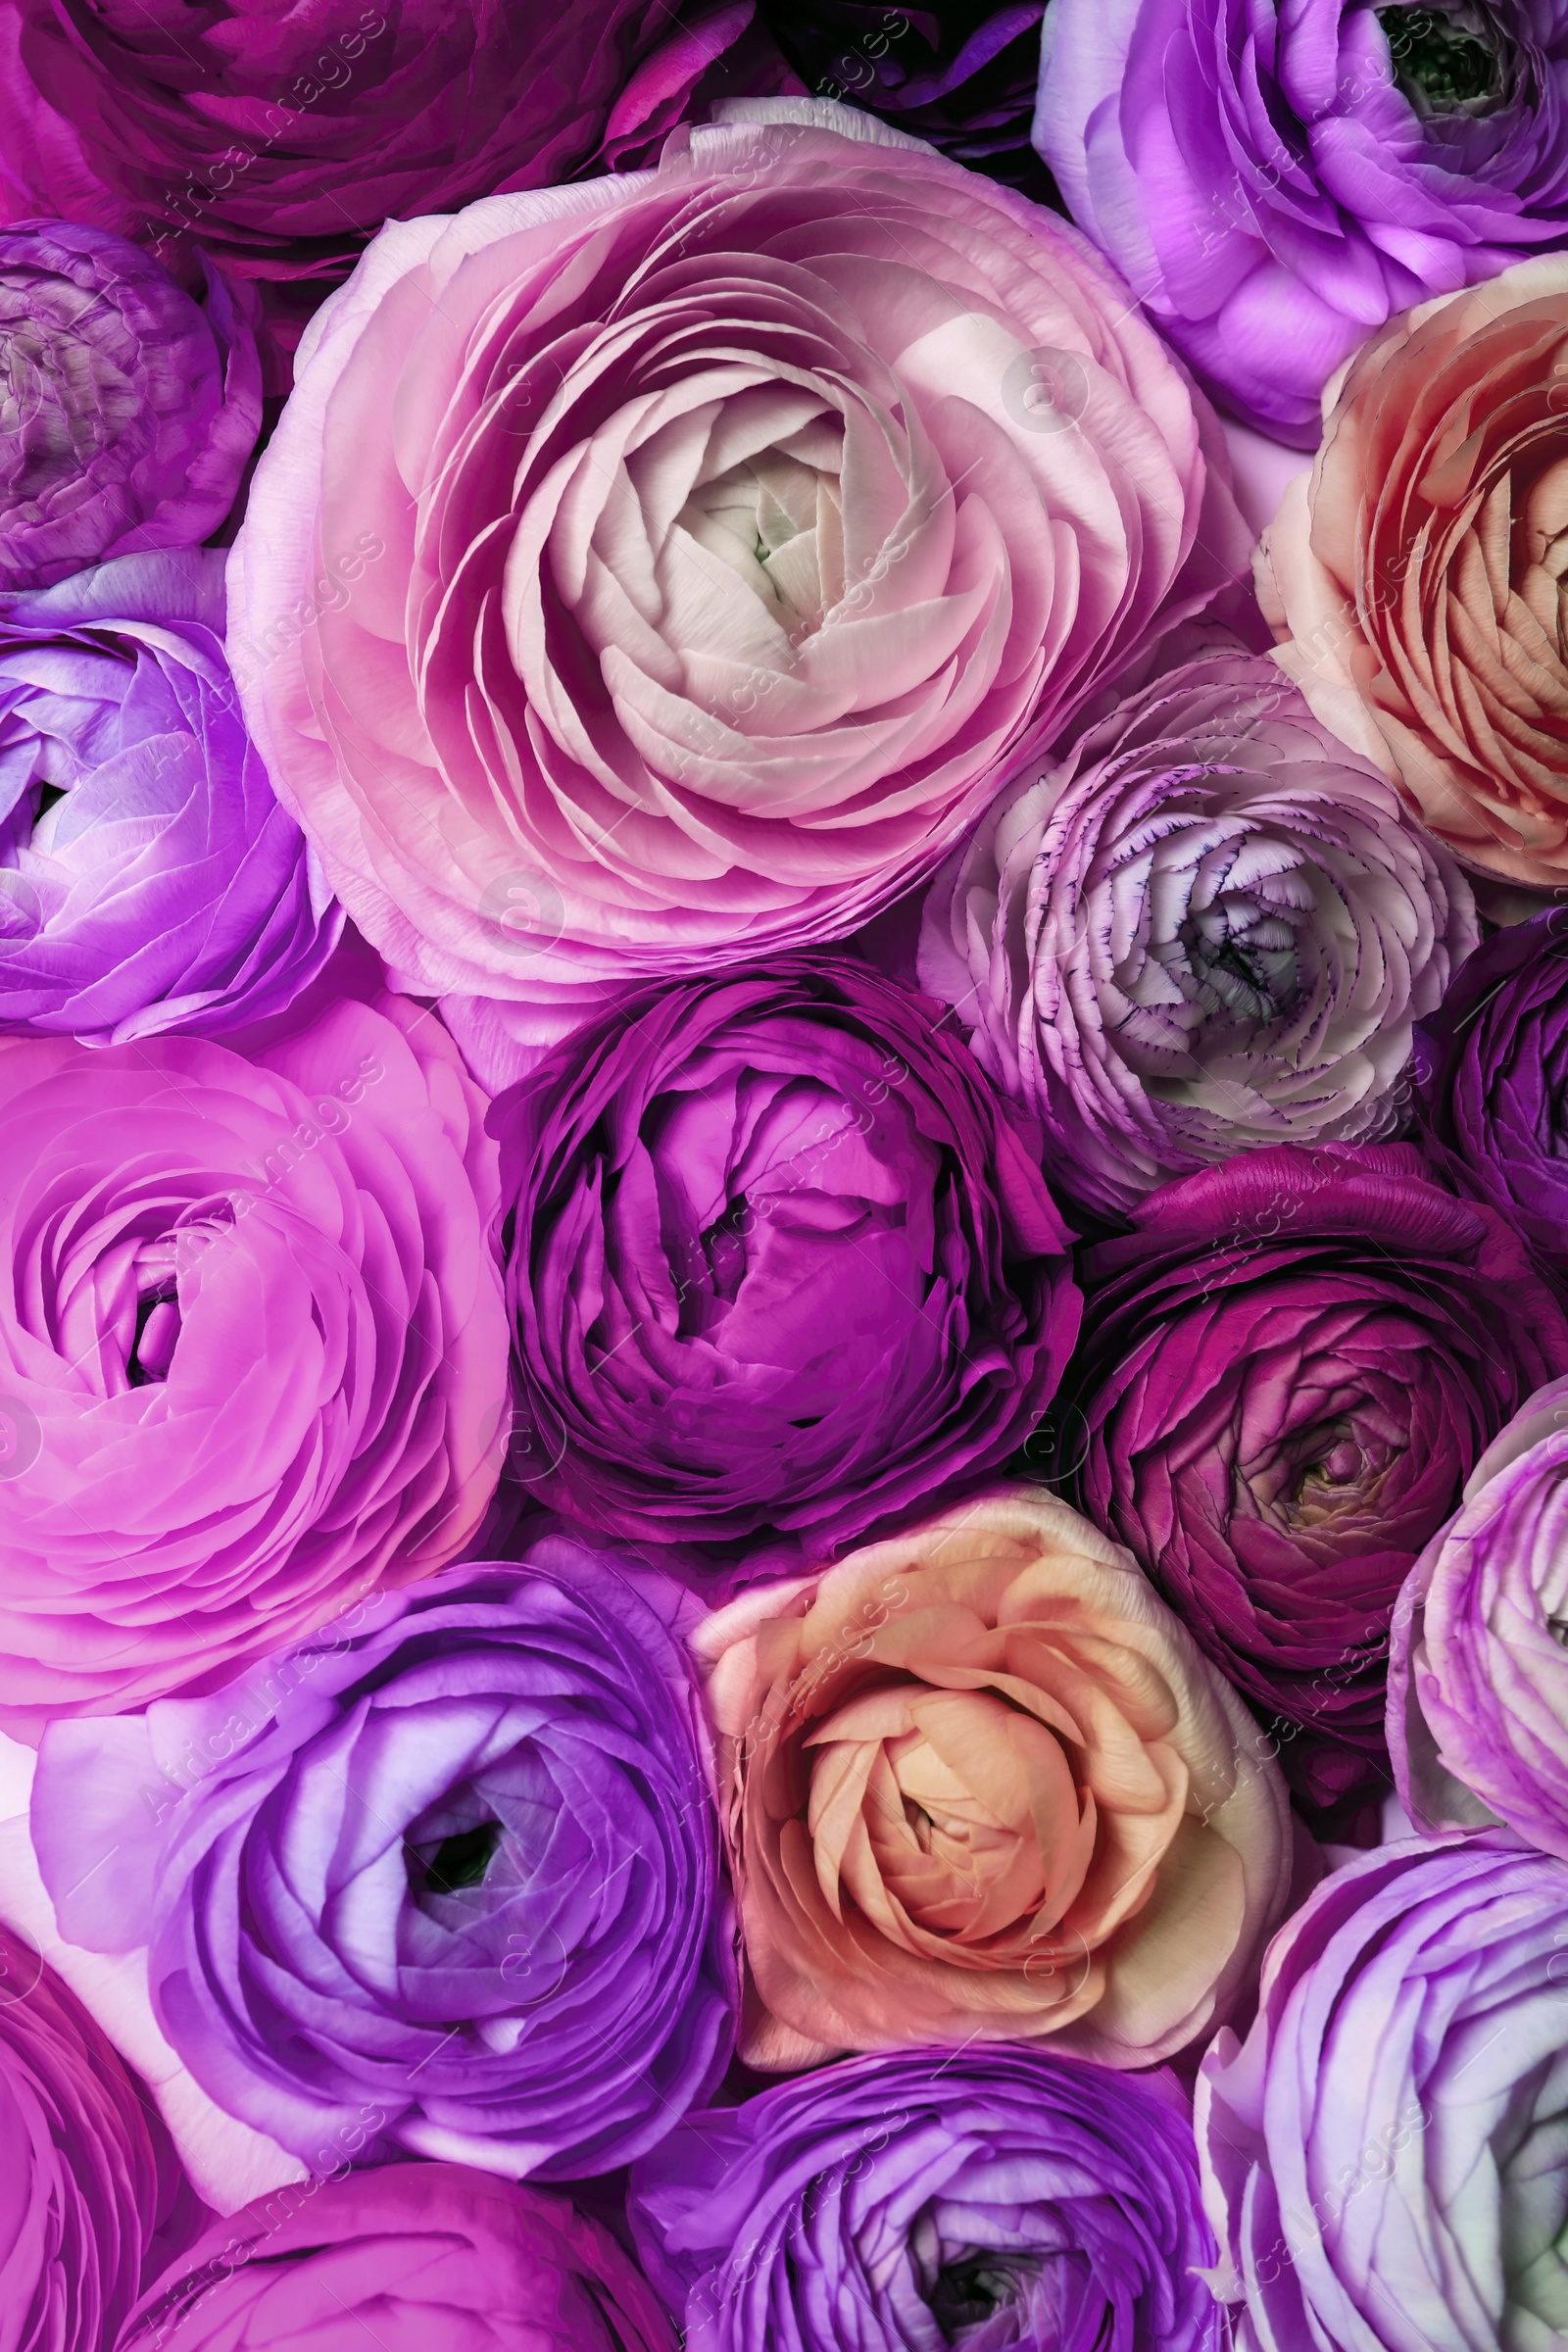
978 1784
741 520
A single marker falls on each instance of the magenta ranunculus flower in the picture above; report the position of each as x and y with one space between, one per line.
252 1345
446 1875
1290 1367
743 520
1276 181
130 406
1384 2155
1478 1680
283 140
92 2199
149 879
778 1262
409 2258
1207 929
1492 1093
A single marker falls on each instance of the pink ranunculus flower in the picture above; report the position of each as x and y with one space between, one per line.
252 1343
744 519
979 1786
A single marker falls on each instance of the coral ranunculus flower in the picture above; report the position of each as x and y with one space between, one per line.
1419 577
980 1786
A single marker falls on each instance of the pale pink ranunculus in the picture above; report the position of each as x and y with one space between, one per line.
979 1785
735 524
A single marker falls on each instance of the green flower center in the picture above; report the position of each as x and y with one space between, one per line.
1438 64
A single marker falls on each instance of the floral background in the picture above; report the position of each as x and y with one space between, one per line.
784 1176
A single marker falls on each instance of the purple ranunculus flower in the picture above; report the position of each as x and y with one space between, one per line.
131 408
1290 1367
149 877
1478 1680
1494 1064
253 1350
1207 929
447 1878
1277 181
984 2199
284 140
1383 2156
408 2258
961 74
92 2199
778 1261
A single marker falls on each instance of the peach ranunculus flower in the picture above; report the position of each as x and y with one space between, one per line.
978 1784
1420 576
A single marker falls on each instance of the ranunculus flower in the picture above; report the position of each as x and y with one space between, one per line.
778 1262
743 520
252 1343
1417 576
1478 1682
1383 2155
149 878
992 2199
92 2199
410 2258
1277 182
1492 1082
979 1786
1290 1367
284 141
131 408
1207 928
447 1878
961 74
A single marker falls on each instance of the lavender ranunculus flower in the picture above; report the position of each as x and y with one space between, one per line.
92 2200
1493 1063
1384 2155
1478 1680
779 1262
131 408
1277 182
447 1878
1207 929
149 877
986 2200
1290 1367
408 2258
252 1343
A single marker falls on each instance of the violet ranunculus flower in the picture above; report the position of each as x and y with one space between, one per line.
1290 1367
745 519
1207 929
961 74
1384 2157
447 1876
1478 1679
408 2258
1277 184
92 2199
1493 1063
778 1262
130 407
985 2199
149 878
283 142
252 1343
